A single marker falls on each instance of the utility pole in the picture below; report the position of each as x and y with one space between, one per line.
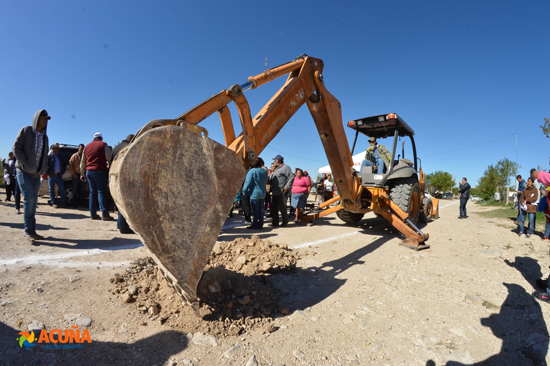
517 162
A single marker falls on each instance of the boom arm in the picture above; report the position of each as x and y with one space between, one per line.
303 85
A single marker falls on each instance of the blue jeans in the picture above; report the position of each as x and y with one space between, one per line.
30 187
257 213
98 189
524 215
121 223
463 202
57 179
379 164
17 195
79 188
547 230
519 208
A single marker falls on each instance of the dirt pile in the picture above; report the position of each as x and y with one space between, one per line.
235 292
252 256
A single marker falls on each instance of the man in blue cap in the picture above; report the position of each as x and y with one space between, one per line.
281 183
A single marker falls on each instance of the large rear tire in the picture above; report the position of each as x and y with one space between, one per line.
427 212
349 217
406 194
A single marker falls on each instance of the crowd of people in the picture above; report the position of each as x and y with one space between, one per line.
271 189
531 198
32 156
279 191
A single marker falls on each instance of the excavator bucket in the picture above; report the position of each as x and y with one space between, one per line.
175 188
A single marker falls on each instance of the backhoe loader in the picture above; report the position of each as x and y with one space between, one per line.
175 186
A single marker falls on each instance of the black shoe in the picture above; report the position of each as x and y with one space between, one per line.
542 296
35 236
108 218
275 225
96 217
285 223
251 227
127 231
460 217
465 217
542 284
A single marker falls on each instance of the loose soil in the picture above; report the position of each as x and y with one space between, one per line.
329 294
235 291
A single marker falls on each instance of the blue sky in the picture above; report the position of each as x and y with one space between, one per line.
465 75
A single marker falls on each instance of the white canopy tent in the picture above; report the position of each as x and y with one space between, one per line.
357 159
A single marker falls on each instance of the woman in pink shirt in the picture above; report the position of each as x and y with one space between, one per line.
300 189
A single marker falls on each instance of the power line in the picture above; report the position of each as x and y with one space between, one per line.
461 157
484 143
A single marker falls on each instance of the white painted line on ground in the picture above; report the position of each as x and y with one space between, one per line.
345 235
231 226
450 204
78 264
324 240
61 258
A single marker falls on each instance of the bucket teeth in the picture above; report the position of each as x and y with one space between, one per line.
414 244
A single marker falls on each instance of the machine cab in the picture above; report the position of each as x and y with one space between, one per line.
381 127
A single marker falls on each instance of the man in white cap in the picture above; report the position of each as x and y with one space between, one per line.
93 166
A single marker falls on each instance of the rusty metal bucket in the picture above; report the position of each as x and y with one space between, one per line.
175 188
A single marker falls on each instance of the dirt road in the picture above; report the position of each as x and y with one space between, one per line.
355 298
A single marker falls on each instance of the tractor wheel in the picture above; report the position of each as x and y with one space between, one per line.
349 217
406 194
427 212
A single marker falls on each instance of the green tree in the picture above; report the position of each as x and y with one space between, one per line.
488 183
496 177
440 181
506 169
546 127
